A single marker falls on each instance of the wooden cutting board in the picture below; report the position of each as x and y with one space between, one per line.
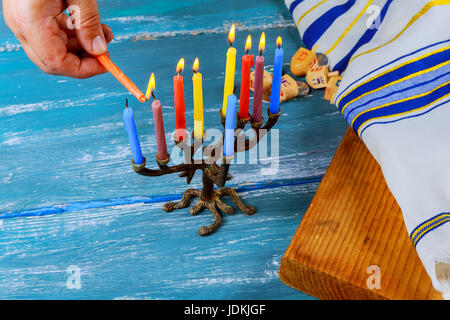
352 242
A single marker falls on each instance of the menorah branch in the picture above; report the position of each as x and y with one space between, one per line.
164 169
243 144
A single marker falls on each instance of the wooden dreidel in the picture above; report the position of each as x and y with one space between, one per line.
289 88
332 87
303 60
267 80
317 77
332 98
333 74
266 95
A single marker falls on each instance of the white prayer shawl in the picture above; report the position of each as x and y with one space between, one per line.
395 93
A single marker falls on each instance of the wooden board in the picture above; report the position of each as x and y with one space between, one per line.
352 223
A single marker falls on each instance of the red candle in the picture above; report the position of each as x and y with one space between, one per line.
259 81
178 89
247 63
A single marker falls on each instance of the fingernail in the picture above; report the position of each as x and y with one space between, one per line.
98 45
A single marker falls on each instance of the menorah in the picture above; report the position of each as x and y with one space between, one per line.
212 173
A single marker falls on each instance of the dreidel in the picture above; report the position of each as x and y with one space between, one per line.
289 88
267 80
332 87
317 77
303 60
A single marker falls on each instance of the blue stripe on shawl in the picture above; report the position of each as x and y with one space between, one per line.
408 117
385 65
405 87
401 107
320 25
294 5
367 36
399 73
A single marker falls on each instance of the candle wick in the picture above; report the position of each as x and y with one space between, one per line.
231 43
126 103
247 52
260 53
153 96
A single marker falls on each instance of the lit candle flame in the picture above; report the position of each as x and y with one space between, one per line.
180 65
248 43
196 65
231 35
262 42
279 42
151 86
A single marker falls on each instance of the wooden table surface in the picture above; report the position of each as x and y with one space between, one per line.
352 242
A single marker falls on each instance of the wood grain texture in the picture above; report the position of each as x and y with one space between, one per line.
354 222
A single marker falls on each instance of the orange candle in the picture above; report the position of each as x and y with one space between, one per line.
247 63
178 89
119 75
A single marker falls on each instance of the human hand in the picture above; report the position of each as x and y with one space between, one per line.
49 39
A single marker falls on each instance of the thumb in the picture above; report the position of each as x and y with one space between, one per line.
84 14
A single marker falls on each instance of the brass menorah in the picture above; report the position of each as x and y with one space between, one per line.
212 173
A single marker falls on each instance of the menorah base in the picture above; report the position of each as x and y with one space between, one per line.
211 201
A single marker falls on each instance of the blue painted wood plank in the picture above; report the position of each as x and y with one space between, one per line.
62 141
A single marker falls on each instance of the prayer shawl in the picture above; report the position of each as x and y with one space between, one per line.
395 93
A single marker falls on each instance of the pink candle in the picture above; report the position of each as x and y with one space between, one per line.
258 89
259 81
159 131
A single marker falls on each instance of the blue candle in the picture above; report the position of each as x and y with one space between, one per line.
130 126
230 123
276 82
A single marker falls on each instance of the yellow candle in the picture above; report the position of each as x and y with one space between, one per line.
198 101
229 71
